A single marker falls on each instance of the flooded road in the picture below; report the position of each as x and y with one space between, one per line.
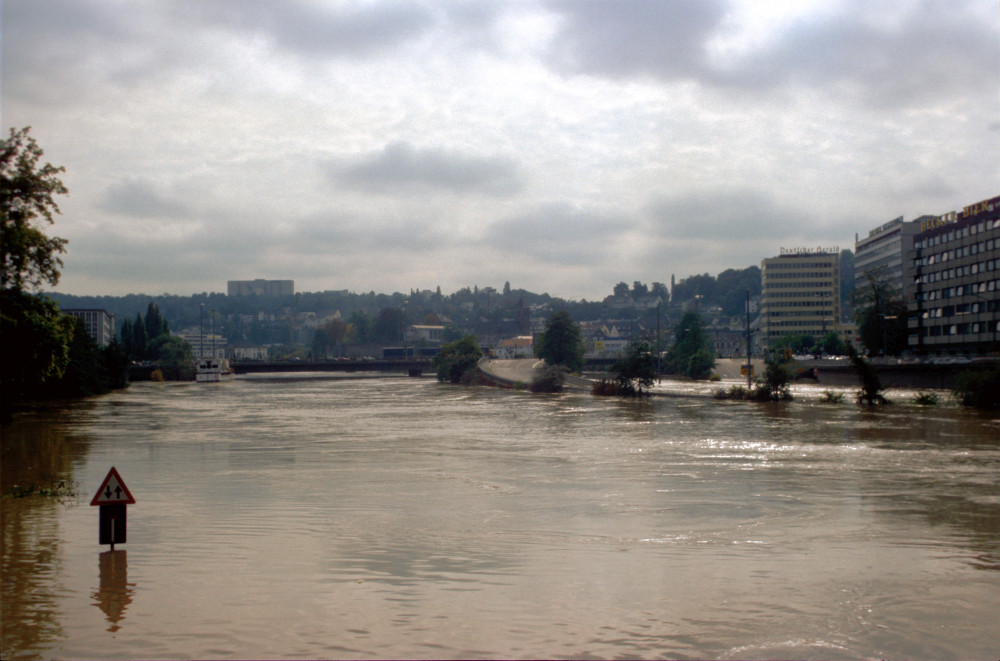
393 517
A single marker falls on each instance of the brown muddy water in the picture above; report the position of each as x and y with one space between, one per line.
400 518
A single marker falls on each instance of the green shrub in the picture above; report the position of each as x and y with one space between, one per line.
980 388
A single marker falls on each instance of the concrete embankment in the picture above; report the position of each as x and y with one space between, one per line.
520 372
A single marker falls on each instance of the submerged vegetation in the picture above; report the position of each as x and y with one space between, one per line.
870 393
549 378
456 362
58 491
980 388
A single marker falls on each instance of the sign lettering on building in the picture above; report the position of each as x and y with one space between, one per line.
819 250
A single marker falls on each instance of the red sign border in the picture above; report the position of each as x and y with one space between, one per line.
129 500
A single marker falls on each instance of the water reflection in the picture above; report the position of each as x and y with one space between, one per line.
115 592
39 448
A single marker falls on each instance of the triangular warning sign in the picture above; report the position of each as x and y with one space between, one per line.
113 491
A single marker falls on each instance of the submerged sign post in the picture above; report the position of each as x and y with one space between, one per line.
112 498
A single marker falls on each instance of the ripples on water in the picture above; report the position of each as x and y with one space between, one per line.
393 517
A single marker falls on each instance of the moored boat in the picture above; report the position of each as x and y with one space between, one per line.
213 370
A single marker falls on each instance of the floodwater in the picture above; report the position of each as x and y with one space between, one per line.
393 517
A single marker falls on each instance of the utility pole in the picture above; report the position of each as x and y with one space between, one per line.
749 368
659 374
201 331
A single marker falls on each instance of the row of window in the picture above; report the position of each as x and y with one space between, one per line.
958 253
798 304
798 324
792 294
799 274
961 271
962 290
952 310
959 233
973 327
798 265
815 284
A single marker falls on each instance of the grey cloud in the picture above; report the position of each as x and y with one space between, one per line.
882 54
399 166
320 29
635 37
558 233
138 197
724 213
927 52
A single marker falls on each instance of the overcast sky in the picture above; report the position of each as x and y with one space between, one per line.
560 146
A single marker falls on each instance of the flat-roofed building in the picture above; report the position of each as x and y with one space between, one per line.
100 323
800 295
952 278
880 254
260 287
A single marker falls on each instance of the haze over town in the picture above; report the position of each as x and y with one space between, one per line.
561 146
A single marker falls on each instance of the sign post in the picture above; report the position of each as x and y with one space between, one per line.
112 498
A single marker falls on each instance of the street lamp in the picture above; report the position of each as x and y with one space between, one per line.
201 330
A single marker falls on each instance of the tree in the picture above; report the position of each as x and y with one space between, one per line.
139 339
35 346
880 314
388 326
456 359
155 324
27 191
800 343
328 336
360 325
174 356
621 290
636 370
561 343
774 387
832 345
34 351
870 392
690 340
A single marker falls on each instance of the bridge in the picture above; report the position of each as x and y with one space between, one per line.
411 366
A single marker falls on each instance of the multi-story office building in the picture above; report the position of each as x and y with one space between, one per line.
952 281
800 295
880 254
261 287
100 324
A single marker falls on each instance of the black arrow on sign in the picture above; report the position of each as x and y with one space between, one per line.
118 493
107 492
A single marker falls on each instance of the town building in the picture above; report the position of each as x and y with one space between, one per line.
521 346
800 295
260 287
425 334
247 353
880 254
100 323
204 344
952 278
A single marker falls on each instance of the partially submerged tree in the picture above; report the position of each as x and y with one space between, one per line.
880 313
691 353
635 370
561 343
456 359
871 387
